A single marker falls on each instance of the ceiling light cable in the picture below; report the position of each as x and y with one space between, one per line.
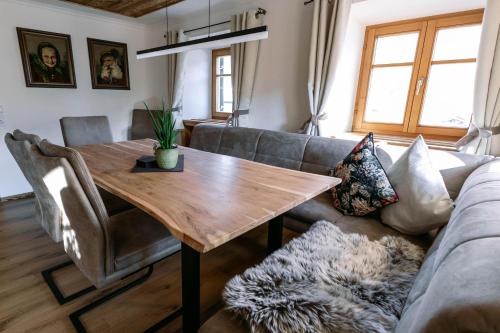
209 17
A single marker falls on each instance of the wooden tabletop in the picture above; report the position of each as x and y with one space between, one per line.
216 199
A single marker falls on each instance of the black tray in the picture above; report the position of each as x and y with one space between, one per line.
148 164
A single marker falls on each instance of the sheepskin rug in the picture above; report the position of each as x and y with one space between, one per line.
326 281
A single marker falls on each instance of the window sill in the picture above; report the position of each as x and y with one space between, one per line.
402 141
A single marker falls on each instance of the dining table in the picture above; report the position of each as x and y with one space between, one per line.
215 199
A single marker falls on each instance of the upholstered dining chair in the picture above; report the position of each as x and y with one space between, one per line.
88 130
79 131
47 211
105 248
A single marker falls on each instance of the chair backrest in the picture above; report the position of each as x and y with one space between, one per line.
48 213
85 219
79 131
142 127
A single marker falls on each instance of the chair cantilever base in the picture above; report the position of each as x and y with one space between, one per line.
58 294
75 316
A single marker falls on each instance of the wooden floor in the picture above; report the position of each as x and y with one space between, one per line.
27 305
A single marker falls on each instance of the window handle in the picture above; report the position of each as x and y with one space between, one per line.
420 83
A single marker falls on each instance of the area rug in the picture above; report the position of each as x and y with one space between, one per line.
327 281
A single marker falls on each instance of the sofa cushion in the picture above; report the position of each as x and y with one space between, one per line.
207 137
365 186
424 203
237 143
455 167
281 149
316 209
319 208
458 290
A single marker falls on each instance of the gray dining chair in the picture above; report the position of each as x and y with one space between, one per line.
105 248
46 210
142 127
79 131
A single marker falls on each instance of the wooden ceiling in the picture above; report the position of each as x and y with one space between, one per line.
132 8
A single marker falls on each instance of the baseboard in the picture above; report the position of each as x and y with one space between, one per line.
18 197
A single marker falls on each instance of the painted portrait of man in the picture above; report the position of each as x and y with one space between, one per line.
110 70
108 64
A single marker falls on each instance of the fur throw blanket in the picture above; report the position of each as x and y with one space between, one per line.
326 281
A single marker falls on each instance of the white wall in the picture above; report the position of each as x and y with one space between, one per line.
38 110
280 95
197 82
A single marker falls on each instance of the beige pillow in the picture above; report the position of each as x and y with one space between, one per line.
424 203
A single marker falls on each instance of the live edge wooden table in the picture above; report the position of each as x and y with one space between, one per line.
216 199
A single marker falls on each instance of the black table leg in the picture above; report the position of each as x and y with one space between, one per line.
275 234
190 289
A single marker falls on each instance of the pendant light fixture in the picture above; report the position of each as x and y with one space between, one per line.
209 42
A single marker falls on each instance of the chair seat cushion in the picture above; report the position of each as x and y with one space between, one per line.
320 208
114 204
139 238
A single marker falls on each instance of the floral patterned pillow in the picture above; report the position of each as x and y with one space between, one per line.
365 186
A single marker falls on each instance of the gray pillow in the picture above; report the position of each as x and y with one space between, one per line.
424 202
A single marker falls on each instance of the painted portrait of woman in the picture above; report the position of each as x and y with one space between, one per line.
47 59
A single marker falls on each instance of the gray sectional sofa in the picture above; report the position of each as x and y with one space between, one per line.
458 286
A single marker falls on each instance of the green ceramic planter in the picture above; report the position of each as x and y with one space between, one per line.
167 158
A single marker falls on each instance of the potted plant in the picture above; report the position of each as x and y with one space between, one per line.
166 152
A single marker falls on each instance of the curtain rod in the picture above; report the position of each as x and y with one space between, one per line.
260 11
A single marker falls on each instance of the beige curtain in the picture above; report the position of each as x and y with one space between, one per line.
484 132
328 32
244 57
175 72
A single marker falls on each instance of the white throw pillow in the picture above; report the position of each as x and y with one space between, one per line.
424 203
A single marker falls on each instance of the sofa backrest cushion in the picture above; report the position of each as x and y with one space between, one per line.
455 167
281 149
457 289
288 150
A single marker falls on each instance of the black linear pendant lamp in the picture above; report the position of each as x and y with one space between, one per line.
210 42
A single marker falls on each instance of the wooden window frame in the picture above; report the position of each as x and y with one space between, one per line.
218 53
427 28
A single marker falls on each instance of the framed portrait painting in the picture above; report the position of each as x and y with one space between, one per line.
108 64
47 59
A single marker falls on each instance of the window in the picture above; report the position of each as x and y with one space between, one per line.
222 89
417 77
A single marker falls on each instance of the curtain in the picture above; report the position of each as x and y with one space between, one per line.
244 57
328 33
483 136
175 76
